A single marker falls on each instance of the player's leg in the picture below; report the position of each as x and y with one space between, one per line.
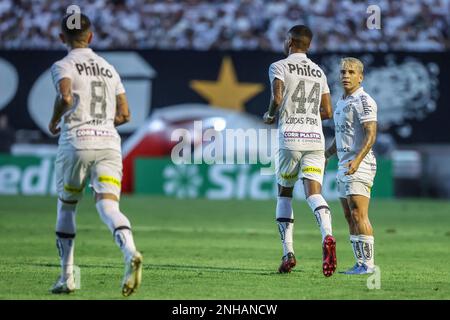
287 169
312 170
354 241
107 205
318 205
285 222
359 207
312 167
65 243
322 213
70 176
106 180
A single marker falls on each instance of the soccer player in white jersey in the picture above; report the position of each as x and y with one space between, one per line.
90 103
301 95
355 120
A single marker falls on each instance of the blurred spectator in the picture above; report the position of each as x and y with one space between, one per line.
410 25
7 135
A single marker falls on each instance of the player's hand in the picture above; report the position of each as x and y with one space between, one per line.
267 119
352 166
53 128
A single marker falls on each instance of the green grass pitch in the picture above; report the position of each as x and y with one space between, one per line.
200 249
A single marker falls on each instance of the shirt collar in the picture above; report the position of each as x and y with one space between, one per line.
354 94
298 54
76 50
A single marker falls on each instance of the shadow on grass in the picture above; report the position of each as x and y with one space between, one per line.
176 267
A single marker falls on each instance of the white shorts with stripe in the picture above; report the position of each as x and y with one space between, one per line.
291 165
74 167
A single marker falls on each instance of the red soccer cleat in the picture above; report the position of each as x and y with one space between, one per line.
329 256
288 262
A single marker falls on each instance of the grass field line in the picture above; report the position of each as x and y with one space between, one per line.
405 232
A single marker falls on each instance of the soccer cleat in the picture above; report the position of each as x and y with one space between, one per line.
133 274
364 269
352 270
64 285
288 262
329 256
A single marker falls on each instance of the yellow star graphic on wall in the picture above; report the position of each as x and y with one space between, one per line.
227 92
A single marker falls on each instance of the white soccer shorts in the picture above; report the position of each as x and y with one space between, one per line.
291 165
74 167
355 184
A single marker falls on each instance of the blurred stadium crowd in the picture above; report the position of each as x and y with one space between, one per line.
408 25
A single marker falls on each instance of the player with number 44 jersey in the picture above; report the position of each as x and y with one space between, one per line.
90 103
301 96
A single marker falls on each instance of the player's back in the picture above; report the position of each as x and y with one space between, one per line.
300 124
89 124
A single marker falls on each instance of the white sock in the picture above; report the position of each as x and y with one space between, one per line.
367 247
65 234
322 213
66 248
357 249
285 221
65 217
118 224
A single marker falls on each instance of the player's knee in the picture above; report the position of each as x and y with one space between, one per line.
311 187
103 196
285 191
356 216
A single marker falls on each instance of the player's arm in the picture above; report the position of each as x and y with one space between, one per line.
370 133
63 102
331 150
275 101
122 111
326 111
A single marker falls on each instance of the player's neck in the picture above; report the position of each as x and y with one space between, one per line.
73 46
292 51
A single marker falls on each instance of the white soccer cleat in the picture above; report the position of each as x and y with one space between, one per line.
133 274
64 285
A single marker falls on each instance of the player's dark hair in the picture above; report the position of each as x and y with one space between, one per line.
301 36
71 30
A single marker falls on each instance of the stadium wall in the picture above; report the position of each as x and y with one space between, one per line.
33 175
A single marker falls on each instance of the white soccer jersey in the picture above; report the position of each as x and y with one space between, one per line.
349 116
299 122
89 124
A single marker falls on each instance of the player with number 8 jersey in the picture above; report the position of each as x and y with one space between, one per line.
89 105
89 124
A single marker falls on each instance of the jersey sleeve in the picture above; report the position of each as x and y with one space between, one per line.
276 71
119 86
59 71
366 109
325 88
